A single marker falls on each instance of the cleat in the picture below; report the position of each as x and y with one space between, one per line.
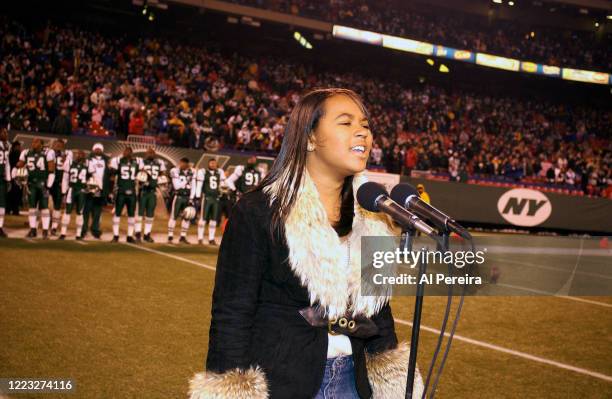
97 234
79 238
32 233
212 242
131 240
200 242
169 240
45 235
2 233
61 237
115 239
53 232
137 236
147 238
183 240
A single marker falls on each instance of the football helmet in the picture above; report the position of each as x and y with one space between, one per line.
21 176
92 185
189 213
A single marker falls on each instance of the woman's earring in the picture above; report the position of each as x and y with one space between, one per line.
310 147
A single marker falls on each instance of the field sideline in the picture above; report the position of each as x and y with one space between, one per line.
131 321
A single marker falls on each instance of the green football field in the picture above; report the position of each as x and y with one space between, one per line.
131 321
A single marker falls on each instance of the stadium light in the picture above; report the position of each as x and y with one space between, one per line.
443 68
597 24
497 1
302 40
510 3
609 16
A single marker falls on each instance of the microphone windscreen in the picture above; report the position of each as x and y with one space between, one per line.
368 193
402 191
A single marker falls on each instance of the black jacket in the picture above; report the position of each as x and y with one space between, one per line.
259 345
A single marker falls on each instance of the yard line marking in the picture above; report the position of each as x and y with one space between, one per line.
193 262
429 329
501 249
80 242
546 293
544 267
573 298
524 355
566 287
29 240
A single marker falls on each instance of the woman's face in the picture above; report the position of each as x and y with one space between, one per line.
342 138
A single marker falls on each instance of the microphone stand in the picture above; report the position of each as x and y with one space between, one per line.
442 244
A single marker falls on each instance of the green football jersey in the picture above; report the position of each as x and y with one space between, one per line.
60 158
77 176
154 167
126 171
212 181
37 163
249 179
4 158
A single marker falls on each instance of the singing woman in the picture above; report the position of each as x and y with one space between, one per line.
288 317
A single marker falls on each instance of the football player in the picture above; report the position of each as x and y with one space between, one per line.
74 188
123 171
5 176
61 156
147 197
40 164
96 197
246 177
183 183
208 190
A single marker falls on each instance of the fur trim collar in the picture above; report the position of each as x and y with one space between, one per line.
318 258
388 372
235 383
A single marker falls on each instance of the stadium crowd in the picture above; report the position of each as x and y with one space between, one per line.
67 80
550 46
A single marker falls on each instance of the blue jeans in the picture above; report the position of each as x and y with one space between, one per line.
339 379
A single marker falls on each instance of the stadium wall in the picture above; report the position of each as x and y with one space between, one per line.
519 207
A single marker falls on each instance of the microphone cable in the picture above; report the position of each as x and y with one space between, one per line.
453 329
441 336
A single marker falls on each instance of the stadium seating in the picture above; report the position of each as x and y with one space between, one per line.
69 80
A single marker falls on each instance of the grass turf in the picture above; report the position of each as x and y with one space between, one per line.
126 323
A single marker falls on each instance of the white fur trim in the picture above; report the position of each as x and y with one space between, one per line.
317 257
387 373
232 384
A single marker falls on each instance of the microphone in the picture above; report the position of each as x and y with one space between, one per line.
374 197
406 195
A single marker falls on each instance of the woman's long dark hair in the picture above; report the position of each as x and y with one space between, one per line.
288 168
